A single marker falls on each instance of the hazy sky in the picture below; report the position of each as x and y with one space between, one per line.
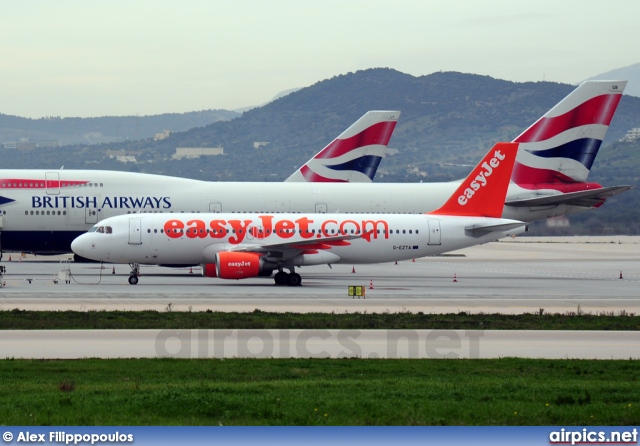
100 58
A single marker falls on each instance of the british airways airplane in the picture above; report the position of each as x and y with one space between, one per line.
233 246
43 211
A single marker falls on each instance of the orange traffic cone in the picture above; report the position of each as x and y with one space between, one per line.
190 270
620 275
371 284
113 271
455 279
353 269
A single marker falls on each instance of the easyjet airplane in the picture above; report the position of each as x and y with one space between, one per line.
43 211
232 246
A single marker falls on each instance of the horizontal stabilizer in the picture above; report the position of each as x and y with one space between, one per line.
585 198
480 230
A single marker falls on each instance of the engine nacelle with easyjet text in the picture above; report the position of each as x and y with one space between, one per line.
209 269
237 265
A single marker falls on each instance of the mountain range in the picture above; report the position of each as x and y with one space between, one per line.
58 131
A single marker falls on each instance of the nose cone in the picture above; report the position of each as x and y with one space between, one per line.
79 246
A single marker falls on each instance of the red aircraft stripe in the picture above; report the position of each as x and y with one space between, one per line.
598 110
379 133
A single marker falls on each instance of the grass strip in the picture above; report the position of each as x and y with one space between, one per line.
504 391
52 320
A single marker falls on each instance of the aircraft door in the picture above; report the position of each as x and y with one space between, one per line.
435 237
52 180
91 216
321 208
135 231
215 207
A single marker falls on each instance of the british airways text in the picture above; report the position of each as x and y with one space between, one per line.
101 203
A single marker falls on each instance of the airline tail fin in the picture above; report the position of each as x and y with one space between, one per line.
561 146
483 192
353 156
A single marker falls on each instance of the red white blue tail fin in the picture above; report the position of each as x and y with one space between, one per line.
483 192
353 156
560 148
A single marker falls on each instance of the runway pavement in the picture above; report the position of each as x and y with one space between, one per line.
591 275
513 276
395 344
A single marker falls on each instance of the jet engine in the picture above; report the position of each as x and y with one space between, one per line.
236 265
209 270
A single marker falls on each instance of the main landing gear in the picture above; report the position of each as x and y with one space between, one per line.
289 279
133 275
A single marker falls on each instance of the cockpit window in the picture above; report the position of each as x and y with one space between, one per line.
101 229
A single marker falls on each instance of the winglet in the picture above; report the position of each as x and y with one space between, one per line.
483 192
353 156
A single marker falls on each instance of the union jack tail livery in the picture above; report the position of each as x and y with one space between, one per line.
353 156
557 152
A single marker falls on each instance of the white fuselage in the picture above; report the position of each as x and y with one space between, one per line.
42 211
304 239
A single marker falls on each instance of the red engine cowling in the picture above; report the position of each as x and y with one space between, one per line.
237 265
209 270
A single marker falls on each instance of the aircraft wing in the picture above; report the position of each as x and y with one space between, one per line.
293 247
585 198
